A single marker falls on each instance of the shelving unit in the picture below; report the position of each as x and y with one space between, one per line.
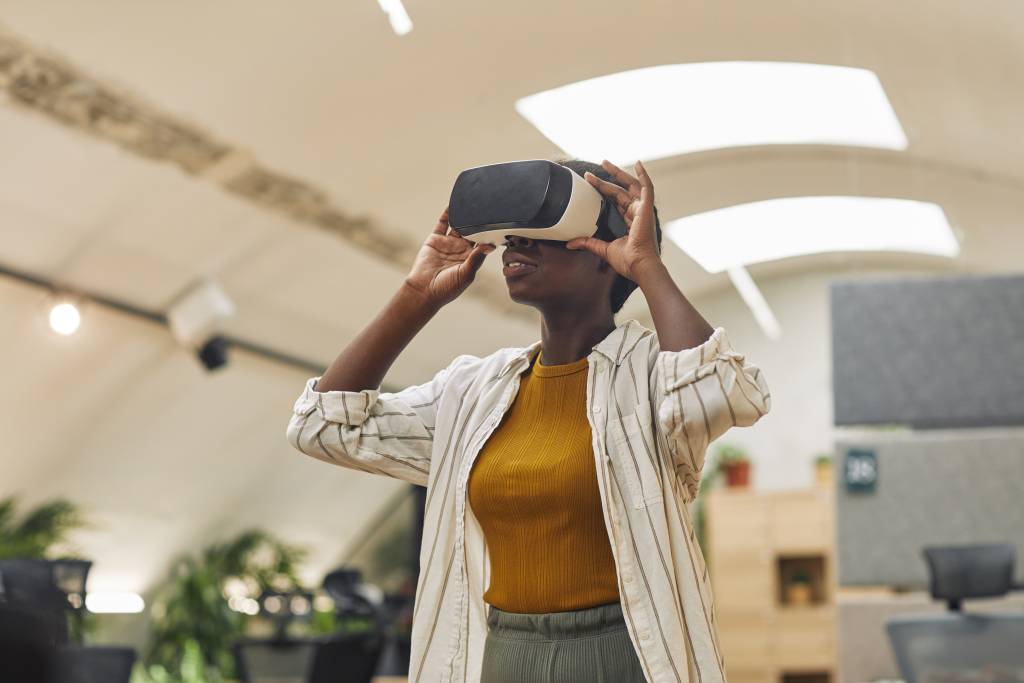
758 545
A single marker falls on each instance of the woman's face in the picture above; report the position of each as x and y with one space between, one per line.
544 274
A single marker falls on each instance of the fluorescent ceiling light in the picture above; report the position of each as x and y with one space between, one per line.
399 18
755 301
114 603
672 109
796 226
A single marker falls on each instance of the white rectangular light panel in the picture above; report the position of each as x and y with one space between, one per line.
401 24
114 603
796 226
673 109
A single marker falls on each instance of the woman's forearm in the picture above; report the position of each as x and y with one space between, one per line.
365 361
679 325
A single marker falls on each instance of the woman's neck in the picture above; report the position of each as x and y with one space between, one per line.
567 336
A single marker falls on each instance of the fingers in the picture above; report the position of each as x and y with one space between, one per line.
646 194
476 258
442 223
626 179
611 191
645 183
591 244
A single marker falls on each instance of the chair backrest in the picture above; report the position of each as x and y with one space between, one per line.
336 659
77 664
274 661
28 641
346 660
31 583
950 647
970 571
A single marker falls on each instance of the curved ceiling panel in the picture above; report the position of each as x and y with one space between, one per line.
672 109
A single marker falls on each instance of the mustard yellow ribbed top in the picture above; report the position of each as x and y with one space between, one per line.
533 488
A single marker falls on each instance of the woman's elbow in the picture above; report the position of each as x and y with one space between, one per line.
294 433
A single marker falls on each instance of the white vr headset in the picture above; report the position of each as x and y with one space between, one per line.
537 199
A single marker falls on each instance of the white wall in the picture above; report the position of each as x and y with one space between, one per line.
797 366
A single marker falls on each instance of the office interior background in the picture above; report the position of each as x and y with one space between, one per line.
202 203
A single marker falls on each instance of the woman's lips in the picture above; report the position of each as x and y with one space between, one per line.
511 271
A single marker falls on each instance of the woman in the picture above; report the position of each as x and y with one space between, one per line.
557 543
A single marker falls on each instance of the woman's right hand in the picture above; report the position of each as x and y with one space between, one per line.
445 265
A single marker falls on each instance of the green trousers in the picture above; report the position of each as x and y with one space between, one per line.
582 646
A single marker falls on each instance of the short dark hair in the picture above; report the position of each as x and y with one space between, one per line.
623 286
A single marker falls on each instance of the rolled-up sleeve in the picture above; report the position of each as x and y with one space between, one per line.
391 434
704 391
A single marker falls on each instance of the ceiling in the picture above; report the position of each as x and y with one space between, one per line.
324 92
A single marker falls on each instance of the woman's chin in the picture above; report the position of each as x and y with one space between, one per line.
520 294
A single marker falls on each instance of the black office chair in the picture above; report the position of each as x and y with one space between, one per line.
30 585
51 587
35 598
346 660
955 646
335 659
77 664
273 661
28 644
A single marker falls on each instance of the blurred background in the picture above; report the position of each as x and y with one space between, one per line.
202 203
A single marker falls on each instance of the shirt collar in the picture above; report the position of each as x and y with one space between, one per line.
620 342
616 346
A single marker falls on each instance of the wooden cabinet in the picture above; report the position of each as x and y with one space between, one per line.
771 557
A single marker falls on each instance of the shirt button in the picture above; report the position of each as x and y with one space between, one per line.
645 635
597 409
628 578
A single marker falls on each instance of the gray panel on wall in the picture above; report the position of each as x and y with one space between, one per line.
932 488
936 352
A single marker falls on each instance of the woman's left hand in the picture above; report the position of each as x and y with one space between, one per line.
638 249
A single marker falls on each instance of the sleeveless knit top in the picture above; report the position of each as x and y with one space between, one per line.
534 490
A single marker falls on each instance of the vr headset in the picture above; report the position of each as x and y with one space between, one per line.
537 199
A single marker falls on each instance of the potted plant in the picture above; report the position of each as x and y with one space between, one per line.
39 533
799 591
43 533
207 602
823 470
735 464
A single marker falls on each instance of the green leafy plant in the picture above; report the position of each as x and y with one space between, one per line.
823 459
727 454
708 478
194 625
38 533
800 578
723 456
42 533
192 668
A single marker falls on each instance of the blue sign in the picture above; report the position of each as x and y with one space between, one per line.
860 470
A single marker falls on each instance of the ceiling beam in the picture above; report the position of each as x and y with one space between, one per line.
64 93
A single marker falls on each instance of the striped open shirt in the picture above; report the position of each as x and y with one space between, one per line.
652 414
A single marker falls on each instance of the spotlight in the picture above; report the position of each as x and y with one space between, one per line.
214 353
65 318
195 318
